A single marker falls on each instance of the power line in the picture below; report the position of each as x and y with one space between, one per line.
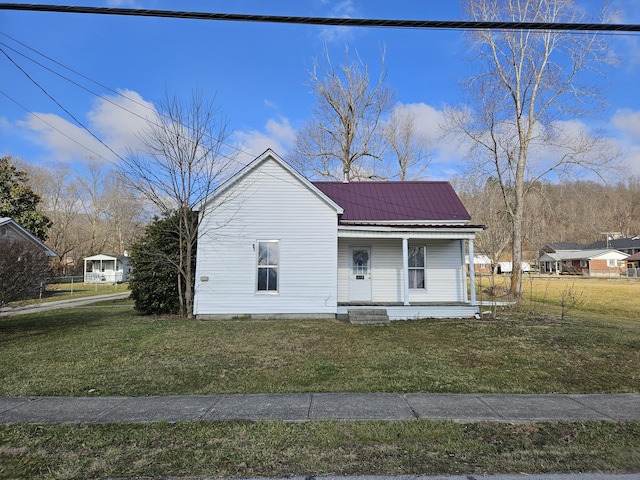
325 21
58 103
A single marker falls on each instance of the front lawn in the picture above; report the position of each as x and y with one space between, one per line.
108 349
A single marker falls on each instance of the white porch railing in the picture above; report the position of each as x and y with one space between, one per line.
104 277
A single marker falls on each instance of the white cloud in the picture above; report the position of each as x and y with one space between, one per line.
116 120
121 118
278 135
628 122
448 152
332 34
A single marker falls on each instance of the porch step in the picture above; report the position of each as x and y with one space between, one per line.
368 316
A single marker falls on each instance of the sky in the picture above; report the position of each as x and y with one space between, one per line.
118 67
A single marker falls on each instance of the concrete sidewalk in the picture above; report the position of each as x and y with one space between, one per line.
303 407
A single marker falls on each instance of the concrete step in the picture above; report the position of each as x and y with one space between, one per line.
368 316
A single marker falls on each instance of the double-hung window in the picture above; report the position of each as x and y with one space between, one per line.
417 267
268 261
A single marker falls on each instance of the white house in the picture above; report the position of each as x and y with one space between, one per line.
273 244
106 269
591 262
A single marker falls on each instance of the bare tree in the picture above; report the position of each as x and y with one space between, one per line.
410 148
343 138
528 81
23 268
181 162
94 186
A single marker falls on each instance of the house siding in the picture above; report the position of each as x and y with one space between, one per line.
444 277
268 203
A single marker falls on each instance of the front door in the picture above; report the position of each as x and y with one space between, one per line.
360 274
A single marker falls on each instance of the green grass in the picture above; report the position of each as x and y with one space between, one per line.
246 449
69 291
610 300
111 350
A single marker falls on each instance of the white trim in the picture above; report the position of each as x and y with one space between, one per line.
269 266
417 233
472 274
405 269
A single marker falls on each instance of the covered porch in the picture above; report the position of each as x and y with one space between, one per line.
106 269
406 272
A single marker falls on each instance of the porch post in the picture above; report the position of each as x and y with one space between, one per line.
405 268
472 272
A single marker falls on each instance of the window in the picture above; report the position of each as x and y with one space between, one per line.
268 259
612 262
583 263
417 263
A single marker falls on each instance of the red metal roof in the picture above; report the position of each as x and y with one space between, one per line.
396 201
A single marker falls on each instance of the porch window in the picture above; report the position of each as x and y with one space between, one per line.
583 263
417 266
268 260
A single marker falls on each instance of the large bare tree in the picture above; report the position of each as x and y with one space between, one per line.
526 88
344 138
181 162
408 146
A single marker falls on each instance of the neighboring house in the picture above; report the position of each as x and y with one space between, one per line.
12 231
273 244
482 264
556 247
633 265
24 262
629 246
106 269
593 263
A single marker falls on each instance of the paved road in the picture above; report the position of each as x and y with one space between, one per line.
57 304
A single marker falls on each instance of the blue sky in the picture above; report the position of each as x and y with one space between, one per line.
255 71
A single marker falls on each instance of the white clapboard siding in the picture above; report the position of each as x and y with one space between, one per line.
444 282
268 203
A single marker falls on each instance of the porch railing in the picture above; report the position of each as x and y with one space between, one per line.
103 277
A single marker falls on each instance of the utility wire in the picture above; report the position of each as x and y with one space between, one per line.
59 104
50 125
341 22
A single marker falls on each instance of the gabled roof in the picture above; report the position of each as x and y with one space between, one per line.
585 254
20 231
396 202
625 243
634 257
104 256
268 155
562 246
